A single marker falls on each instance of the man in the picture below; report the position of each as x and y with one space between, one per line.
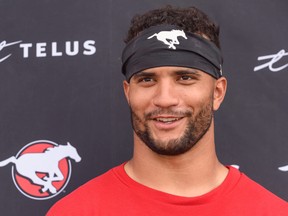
174 83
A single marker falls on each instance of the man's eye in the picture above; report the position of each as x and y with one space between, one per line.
185 78
146 79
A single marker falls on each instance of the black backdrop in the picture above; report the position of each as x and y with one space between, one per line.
50 90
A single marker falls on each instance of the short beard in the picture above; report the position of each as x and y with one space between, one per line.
195 130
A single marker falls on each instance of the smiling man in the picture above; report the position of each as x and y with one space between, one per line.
174 84
172 107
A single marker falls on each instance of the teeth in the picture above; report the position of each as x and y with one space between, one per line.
167 120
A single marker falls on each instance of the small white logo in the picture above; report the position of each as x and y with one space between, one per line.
4 44
235 166
273 59
41 169
169 38
283 168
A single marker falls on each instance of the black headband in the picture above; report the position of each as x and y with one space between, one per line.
166 45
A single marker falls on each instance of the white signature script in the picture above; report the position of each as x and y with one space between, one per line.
4 44
273 59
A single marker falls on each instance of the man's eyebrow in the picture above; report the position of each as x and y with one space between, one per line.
188 72
143 73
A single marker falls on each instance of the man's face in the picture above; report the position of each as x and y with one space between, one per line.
171 107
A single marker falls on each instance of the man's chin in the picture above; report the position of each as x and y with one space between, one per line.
168 151
167 137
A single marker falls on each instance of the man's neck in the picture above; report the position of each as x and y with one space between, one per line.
191 174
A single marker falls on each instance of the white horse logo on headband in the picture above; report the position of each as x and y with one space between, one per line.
169 38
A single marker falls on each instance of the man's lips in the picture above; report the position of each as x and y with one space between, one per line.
166 120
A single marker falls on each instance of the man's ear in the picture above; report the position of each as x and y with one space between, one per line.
219 92
126 87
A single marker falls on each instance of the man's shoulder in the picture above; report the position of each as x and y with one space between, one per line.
255 188
98 183
92 191
252 193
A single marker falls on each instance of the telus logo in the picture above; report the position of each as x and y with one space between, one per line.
45 49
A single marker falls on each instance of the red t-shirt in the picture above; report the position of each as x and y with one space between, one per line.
116 194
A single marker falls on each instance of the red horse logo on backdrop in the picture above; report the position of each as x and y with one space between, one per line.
42 169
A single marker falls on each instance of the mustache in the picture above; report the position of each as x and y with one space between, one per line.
168 111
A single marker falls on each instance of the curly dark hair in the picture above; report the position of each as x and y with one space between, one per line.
190 19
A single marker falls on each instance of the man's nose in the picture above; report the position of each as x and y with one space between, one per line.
166 95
